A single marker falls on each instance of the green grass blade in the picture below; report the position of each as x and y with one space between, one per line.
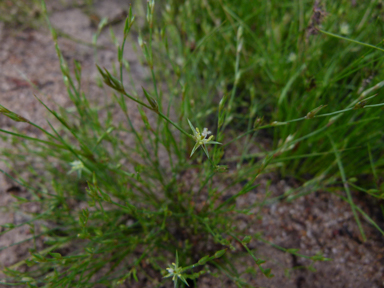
346 187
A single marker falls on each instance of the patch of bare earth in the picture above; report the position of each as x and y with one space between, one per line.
318 222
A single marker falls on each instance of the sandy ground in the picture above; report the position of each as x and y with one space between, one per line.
318 222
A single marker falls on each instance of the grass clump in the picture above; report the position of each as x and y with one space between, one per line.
20 12
114 213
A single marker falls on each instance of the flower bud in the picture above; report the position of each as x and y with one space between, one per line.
246 240
203 260
220 253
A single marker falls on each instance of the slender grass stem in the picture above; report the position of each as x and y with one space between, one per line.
346 187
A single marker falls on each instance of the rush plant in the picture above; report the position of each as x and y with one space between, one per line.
113 213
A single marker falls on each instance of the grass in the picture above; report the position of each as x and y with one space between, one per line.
247 73
20 13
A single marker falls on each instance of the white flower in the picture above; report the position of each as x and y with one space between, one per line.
175 273
344 29
201 139
78 166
